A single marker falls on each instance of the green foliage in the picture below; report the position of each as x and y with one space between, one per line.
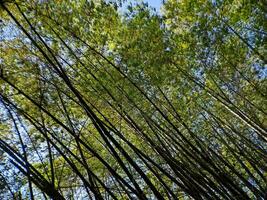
99 103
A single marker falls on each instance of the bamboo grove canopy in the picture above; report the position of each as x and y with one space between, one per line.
99 100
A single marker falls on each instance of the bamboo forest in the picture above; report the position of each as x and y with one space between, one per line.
126 99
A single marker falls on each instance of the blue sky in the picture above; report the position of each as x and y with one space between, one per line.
154 3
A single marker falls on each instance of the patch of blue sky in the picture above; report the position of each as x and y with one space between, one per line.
156 4
9 32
